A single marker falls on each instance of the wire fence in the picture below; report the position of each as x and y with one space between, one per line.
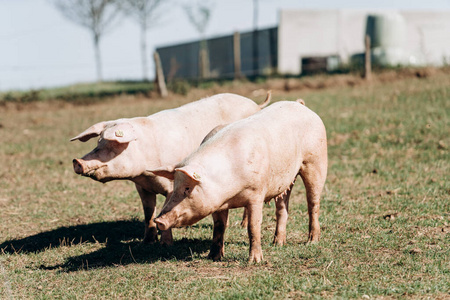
257 56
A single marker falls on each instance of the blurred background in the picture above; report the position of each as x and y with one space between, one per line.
51 43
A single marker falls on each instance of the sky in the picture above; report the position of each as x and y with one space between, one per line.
40 48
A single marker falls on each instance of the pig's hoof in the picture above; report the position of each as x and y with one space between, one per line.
166 238
312 241
149 241
255 258
216 252
166 241
313 236
215 256
279 241
150 235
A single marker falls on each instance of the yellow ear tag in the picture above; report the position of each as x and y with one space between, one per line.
119 133
196 176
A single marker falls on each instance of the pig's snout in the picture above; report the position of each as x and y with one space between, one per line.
162 222
77 166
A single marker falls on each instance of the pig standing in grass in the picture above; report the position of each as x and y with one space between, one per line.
127 147
245 164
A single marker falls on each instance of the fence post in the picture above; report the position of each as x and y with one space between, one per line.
159 76
237 55
203 60
255 52
367 59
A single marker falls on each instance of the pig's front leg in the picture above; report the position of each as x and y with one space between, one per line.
148 204
220 224
166 235
254 231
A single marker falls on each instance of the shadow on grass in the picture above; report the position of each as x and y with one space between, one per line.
122 241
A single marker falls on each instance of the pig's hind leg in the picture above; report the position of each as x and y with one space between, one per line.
254 231
244 222
220 224
314 175
282 207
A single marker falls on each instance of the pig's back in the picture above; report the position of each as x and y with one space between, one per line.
219 108
292 122
272 144
291 133
182 129
287 121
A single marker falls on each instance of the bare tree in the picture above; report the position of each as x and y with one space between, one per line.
255 14
146 13
95 15
199 14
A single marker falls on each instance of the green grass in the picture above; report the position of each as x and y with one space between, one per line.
385 210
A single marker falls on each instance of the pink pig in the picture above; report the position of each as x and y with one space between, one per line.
245 164
127 147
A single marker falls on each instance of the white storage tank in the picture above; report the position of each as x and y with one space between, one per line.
387 32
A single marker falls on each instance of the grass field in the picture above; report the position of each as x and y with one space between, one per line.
385 210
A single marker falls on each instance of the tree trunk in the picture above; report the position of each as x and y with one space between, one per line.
98 59
144 53
255 47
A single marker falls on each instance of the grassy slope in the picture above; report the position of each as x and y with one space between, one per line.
385 209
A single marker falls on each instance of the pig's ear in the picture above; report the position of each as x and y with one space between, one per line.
167 172
121 133
91 132
191 172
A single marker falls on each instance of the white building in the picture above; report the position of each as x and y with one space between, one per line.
398 38
420 37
